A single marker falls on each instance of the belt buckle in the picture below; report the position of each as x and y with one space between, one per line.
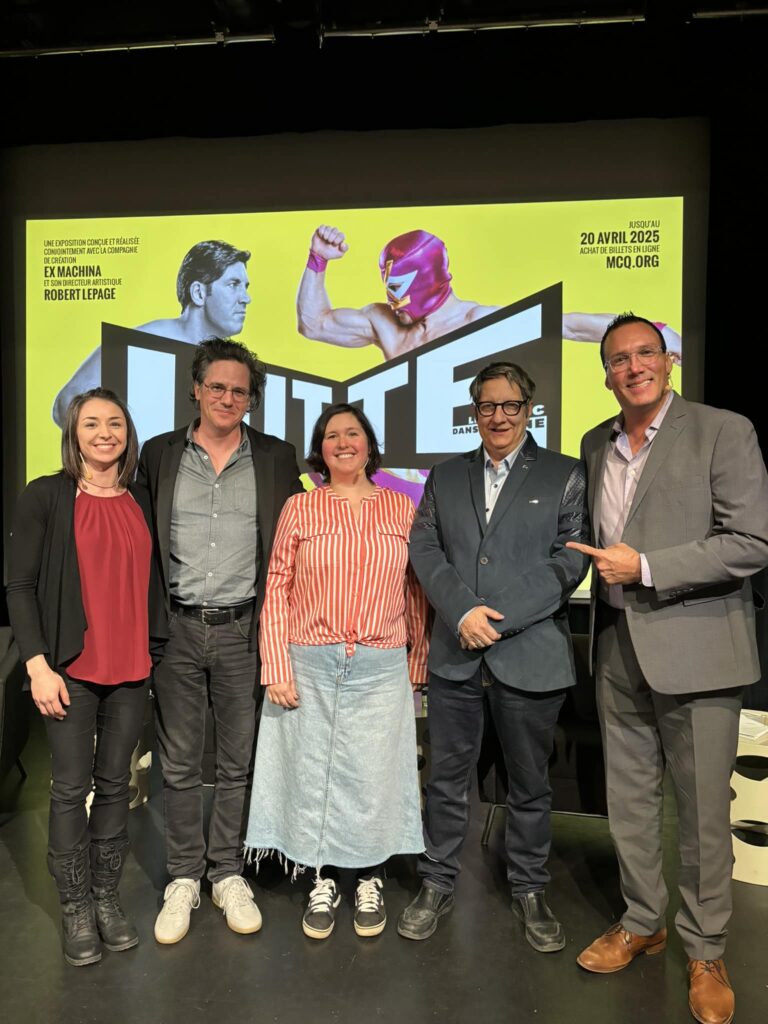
204 613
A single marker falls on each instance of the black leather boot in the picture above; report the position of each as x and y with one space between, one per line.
80 938
542 929
117 932
420 917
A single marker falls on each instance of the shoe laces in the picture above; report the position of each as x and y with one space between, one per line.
237 893
323 897
712 967
368 895
82 913
181 896
108 901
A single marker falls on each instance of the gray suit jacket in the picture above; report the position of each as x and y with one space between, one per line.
700 515
277 478
517 564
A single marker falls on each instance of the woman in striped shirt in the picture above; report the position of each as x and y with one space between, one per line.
343 631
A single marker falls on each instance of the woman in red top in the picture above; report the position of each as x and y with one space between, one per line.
78 597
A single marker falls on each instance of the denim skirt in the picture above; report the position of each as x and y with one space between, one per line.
335 780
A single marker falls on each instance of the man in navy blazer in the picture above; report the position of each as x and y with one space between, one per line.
488 545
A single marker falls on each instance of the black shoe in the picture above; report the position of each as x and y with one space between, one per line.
419 919
320 915
370 915
542 929
80 939
115 929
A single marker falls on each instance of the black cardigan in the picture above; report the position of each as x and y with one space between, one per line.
44 597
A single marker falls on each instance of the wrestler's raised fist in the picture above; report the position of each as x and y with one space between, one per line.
328 242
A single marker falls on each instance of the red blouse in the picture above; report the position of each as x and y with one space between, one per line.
113 553
337 579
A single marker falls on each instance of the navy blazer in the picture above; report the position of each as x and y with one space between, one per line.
517 564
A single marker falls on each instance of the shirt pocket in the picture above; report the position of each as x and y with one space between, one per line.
321 546
392 547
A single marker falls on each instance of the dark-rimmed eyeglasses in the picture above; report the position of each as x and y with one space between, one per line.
644 356
510 408
239 395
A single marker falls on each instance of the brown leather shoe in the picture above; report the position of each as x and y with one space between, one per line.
617 948
710 996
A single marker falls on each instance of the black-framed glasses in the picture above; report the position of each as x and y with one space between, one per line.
644 356
239 395
510 408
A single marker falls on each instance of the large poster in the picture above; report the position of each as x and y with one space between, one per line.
395 309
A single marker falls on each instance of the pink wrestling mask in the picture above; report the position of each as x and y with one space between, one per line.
414 269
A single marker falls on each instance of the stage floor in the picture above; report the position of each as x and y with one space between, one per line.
476 968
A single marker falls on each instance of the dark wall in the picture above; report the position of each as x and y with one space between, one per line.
661 69
665 68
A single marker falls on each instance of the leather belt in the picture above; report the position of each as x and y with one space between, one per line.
213 616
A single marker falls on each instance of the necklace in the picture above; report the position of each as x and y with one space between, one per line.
102 487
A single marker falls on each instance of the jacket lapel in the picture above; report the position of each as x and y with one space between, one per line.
264 469
671 427
167 471
518 476
476 470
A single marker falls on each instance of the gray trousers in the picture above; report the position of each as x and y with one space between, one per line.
695 735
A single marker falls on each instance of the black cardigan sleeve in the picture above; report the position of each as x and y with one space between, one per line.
25 557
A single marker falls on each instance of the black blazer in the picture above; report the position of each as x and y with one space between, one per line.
277 478
44 597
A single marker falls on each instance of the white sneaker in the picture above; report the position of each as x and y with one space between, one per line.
234 896
181 897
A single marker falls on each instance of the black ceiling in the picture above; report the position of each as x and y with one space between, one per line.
34 27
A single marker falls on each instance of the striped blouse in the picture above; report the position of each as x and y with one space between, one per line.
337 579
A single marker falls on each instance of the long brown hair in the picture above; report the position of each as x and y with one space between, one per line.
71 459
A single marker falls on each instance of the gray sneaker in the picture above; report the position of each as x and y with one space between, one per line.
319 917
182 896
234 896
370 915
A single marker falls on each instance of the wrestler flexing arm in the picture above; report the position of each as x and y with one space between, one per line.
351 328
592 327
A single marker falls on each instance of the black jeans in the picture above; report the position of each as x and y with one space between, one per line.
525 724
114 715
198 660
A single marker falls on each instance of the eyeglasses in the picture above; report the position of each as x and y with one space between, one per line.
511 408
239 395
644 356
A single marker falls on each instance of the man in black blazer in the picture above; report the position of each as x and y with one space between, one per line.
217 488
488 545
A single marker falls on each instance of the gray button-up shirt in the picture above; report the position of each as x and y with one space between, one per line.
620 480
214 528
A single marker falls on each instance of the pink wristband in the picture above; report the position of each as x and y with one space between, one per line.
316 263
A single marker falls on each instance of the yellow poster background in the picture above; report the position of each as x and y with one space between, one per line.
498 254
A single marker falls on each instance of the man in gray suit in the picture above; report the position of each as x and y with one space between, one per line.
678 498
488 545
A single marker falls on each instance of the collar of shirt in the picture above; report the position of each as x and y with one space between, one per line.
496 477
245 441
506 463
619 436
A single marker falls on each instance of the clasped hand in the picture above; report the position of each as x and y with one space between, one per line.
476 631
